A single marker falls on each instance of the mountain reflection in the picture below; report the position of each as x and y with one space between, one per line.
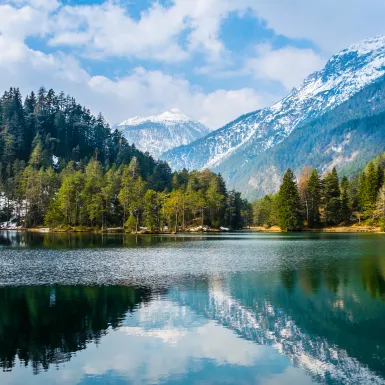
46 325
321 313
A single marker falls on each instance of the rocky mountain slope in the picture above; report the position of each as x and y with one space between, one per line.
158 134
246 150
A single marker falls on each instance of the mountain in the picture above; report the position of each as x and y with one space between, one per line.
333 119
158 134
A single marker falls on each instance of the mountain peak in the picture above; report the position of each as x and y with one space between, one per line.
368 45
174 114
235 149
160 133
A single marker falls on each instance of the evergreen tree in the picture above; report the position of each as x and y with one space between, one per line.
371 186
381 202
289 217
332 198
345 204
314 193
152 210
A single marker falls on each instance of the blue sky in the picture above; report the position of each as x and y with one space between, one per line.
214 59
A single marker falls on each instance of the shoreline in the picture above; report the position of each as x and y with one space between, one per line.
47 230
331 229
259 229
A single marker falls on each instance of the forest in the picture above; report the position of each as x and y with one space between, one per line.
64 168
315 202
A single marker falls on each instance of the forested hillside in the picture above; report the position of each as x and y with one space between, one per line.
333 119
314 201
63 167
346 138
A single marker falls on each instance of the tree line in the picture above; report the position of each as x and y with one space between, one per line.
63 167
313 201
120 197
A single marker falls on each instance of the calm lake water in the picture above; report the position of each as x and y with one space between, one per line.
244 308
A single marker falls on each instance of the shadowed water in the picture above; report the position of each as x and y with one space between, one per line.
244 308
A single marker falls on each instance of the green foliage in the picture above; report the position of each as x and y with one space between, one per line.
54 216
346 211
314 191
382 225
289 216
328 202
130 224
63 167
331 194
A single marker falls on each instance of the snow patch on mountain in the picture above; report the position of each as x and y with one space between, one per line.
344 75
160 133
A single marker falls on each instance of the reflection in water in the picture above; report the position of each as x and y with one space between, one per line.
86 240
45 325
310 315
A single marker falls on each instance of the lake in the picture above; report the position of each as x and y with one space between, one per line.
241 308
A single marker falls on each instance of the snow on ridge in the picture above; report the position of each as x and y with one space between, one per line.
345 74
173 115
368 45
160 133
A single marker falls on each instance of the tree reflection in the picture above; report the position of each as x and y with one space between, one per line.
45 325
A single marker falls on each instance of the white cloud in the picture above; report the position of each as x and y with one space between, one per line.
223 106
288 65
157 32
148 92
107 30
140 92
21 22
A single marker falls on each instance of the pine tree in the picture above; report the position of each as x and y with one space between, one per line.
381 202
380 176
152 206
136 205
314 193
93 200
371 185
332 198
346 211
134 168
126 191
289 217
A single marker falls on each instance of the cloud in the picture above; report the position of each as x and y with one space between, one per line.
21 22
144 92
107 30
139 92
287 65
164 38
223 106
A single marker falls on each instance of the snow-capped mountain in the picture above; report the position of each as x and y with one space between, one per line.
231 148
158 134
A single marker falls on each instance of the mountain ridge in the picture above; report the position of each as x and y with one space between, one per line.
229 149
159 133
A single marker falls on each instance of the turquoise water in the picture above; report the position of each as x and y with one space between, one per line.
244 308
